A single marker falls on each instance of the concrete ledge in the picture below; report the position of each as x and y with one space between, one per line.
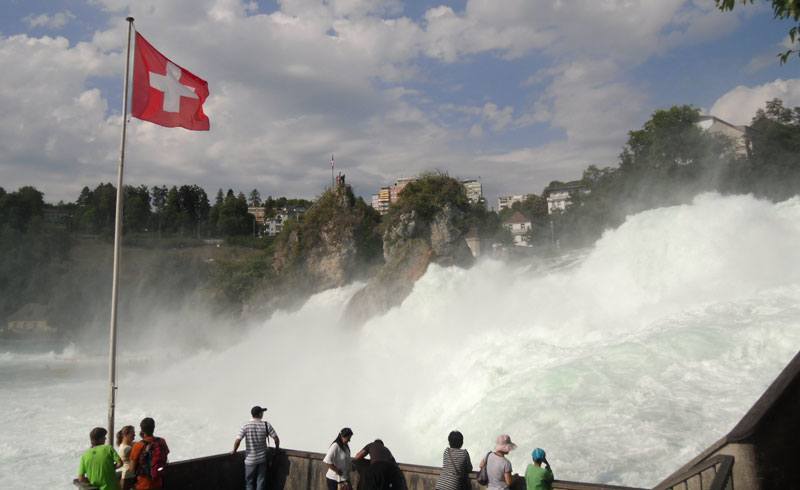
303 470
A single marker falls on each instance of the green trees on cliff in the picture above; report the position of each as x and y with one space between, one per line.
671 159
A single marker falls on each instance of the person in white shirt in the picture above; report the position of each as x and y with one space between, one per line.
125 438
338 461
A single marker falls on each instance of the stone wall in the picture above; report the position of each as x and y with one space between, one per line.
299 470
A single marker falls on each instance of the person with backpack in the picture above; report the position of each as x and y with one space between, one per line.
149 457
537 477
255 434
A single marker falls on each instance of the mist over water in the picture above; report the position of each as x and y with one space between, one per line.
623 362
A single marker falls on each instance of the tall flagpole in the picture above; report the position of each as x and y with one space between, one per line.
332 164
112 347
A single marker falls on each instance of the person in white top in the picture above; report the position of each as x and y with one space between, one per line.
125 438
338 461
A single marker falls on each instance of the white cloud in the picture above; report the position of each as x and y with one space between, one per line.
587 100
739 105
50 21
770 58
315 77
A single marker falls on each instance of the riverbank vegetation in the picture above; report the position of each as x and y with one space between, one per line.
178 245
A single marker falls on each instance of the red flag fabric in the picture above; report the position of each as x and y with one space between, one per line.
164 93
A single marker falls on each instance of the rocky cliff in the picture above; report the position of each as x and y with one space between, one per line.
413 238
334 242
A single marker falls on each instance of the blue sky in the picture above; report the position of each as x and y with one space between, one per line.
516 92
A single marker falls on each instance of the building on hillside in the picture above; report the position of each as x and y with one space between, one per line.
505 202
29 322
738 134
274 225
258 212
396 188
389 195
382 200
474 190
519 226
559 197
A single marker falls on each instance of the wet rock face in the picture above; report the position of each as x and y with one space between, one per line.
328 248
409 246
404 229
332 262
447 238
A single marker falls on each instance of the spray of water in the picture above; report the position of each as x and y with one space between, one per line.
622 365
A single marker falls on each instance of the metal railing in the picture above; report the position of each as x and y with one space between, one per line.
715 473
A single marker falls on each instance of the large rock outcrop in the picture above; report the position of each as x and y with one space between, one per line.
335 241
410 244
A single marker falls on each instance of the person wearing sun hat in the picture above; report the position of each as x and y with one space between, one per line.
498 467
536 476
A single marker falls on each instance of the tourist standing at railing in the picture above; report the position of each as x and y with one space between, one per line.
255 434
125 438
498 467
456 465
382 472
99 463
536 476
149 457
338 461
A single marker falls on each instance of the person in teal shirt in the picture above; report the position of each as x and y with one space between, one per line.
536 476
99 463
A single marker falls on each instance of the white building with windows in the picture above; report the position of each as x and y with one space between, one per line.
738 134
505 202
519 226
559 197
474 190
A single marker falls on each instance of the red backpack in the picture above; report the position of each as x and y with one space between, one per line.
152 458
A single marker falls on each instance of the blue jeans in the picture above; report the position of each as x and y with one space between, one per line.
255 476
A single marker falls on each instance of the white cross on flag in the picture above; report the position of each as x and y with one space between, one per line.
164 93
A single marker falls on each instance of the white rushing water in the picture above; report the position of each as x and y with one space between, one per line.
623 364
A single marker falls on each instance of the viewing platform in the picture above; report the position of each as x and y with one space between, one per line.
760 453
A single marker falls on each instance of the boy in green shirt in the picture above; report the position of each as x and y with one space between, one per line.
536 477
99 463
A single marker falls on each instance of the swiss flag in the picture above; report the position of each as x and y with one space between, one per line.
164 93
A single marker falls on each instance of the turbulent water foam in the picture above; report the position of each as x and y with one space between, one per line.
622 364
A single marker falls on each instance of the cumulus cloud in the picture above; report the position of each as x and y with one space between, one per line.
739 105
50 21
310 78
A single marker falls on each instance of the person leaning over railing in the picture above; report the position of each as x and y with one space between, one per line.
456 465
338 461
382 472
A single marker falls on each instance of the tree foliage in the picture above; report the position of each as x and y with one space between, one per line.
783 10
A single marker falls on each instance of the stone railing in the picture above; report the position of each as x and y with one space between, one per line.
301 470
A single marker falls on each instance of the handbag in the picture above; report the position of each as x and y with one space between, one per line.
483 474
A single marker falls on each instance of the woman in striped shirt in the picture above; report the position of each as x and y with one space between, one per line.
456 465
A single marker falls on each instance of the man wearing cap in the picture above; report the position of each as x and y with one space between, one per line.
255 434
